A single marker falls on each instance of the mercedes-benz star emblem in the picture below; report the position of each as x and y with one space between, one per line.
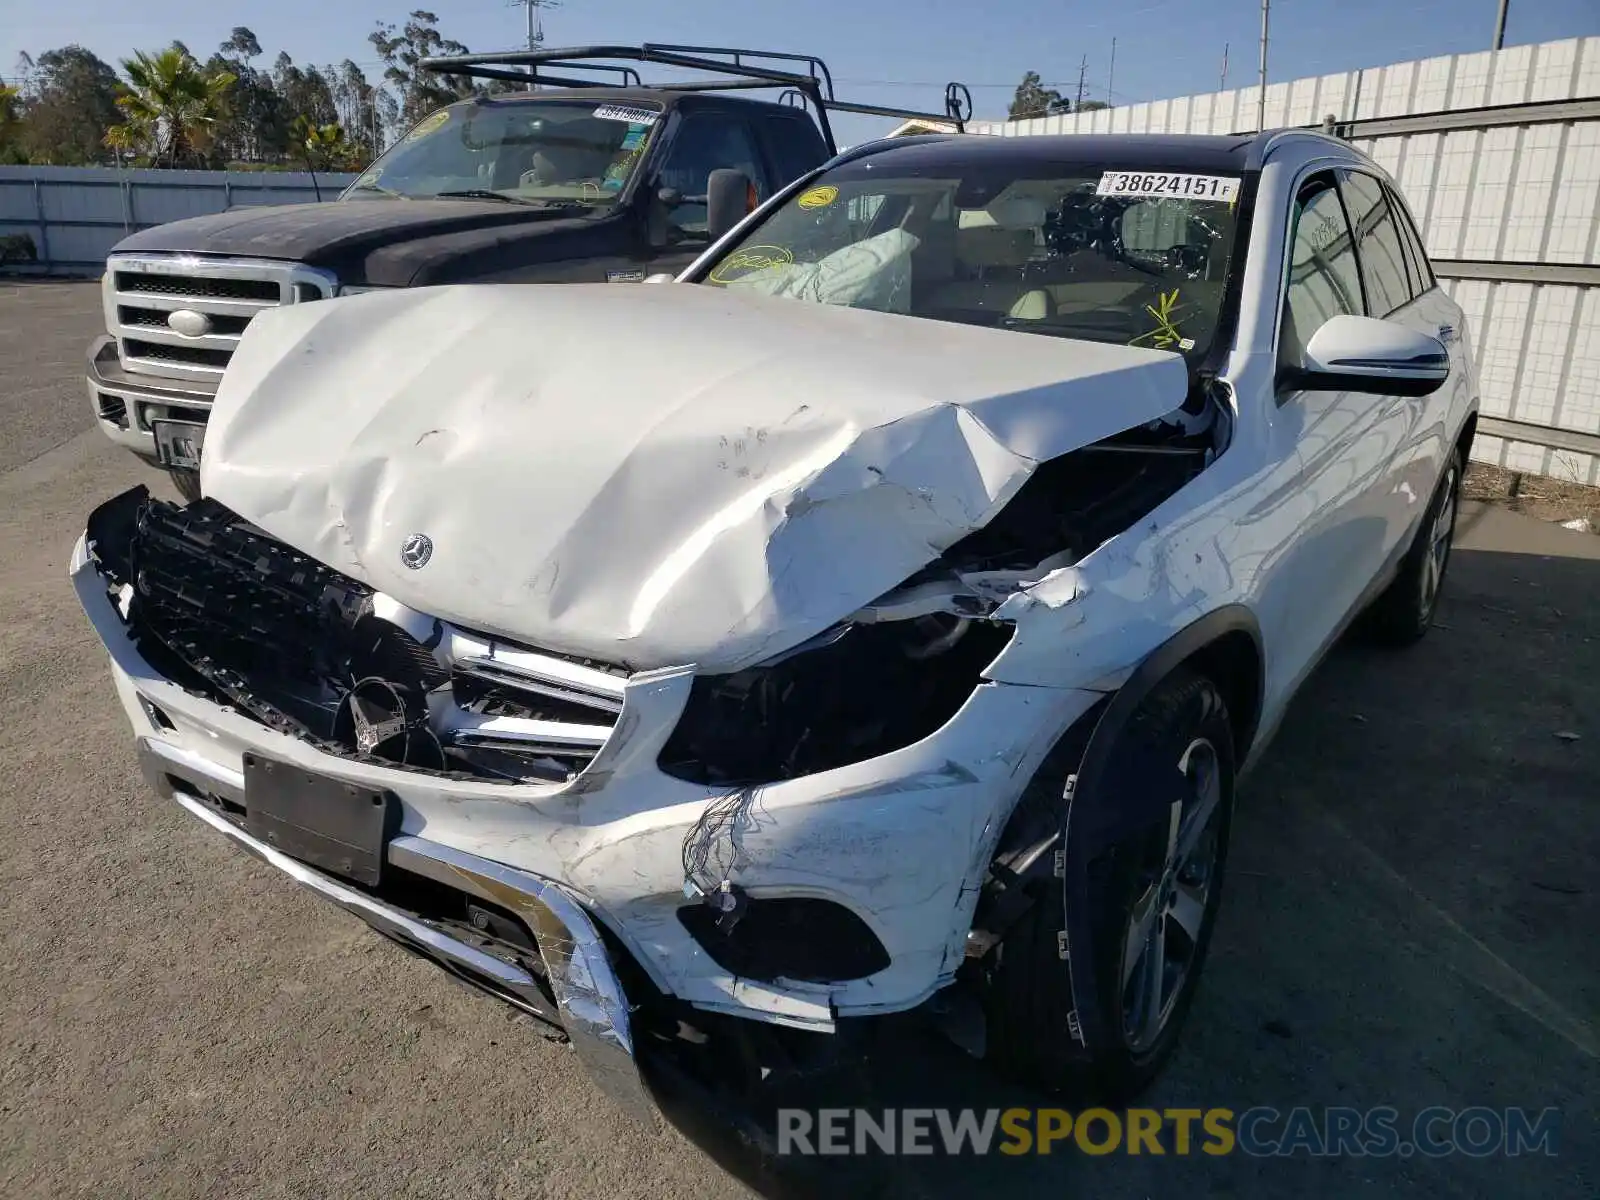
416 550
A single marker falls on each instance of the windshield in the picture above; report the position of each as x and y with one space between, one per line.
535 152
1083 250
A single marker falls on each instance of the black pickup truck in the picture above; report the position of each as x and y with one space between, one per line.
585 176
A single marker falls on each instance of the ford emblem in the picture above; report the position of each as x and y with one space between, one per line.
416 550
189 323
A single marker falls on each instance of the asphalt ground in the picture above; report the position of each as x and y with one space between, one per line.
1411 921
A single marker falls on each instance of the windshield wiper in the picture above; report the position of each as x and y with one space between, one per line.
481 194
378 187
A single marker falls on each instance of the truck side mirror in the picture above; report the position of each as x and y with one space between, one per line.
727 201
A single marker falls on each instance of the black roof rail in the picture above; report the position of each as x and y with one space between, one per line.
803 76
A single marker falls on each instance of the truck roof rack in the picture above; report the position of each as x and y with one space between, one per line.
805 77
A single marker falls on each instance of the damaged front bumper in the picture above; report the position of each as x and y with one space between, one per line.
589 1004
595 865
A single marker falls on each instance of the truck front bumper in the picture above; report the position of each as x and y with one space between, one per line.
124 402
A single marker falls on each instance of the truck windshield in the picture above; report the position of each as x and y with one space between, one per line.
531 151
1137 257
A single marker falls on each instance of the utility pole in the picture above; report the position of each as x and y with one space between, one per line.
1500 25
1083 70
1223 86
535 22
1111 74
1261 100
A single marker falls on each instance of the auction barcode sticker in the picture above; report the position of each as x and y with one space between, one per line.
1166 183
634 116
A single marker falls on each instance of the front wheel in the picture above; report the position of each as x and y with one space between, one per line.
1153 900
1403 613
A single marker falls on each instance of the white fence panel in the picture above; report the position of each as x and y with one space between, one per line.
75 215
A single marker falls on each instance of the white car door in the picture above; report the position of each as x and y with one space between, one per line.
1395 293
1347 442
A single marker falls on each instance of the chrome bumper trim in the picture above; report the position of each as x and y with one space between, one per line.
590 1004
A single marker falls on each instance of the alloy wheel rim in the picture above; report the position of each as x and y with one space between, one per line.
1162 937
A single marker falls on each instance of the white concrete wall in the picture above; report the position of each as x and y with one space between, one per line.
1525 194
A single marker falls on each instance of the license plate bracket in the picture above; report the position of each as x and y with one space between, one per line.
342 828
179 443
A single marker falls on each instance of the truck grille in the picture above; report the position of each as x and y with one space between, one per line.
143 291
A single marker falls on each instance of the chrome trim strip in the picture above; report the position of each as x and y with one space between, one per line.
465 648
225 306
467 728
171 370
493 671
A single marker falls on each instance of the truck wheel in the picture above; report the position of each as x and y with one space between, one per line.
1153 899
187 483
1403 613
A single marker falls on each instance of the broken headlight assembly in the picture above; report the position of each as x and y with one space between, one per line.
855 692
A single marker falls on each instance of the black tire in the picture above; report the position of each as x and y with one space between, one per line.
187 483
1028 993
1405 609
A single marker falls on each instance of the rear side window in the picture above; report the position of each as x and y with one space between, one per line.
1423 269
794 145
1378 245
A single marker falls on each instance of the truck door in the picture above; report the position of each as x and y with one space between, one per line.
704 142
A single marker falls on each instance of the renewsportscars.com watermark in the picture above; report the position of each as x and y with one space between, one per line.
1260 1132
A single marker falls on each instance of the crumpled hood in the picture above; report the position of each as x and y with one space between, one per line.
651 474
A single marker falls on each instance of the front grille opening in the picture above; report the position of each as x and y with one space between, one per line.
198 285
188 356
174 412
223 609
304 293
799 938
154 318
112 408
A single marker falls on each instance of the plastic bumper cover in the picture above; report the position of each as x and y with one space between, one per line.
591 1006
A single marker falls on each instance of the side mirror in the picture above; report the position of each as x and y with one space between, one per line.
727 201
1364 354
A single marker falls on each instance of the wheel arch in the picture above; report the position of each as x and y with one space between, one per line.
1226 646
1469 430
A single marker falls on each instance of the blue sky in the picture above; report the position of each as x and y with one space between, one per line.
879 53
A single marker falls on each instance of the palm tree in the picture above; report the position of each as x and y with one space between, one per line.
322 146
173 108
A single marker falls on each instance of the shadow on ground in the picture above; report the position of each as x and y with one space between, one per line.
1410 920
